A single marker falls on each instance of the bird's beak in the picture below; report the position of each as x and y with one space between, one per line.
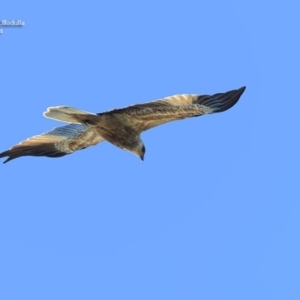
142 157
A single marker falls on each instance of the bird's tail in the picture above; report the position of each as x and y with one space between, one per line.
221 101
69 115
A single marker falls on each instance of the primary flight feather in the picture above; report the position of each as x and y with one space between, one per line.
121 127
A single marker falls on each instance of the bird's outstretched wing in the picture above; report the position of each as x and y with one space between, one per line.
55 143
151 114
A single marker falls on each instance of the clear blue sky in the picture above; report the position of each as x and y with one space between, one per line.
212 212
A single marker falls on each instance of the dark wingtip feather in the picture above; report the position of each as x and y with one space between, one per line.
222 101
229 99
48 150
4 154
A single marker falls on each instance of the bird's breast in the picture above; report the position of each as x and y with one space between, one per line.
117 131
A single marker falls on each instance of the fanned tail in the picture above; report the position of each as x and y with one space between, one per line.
68 114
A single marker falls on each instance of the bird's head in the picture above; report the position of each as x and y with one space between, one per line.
140 151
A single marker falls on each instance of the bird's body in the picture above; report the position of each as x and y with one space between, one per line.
121 127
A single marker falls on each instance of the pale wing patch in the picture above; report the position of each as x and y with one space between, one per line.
179 100
56 135
57 142
68 138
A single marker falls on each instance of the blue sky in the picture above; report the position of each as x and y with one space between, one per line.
212 212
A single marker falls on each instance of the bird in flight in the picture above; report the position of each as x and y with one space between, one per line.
121 127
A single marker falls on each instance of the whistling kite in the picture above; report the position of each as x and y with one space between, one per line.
121 127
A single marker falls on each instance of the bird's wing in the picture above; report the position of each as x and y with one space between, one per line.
55 143
151 114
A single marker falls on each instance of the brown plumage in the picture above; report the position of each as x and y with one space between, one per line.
121 127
